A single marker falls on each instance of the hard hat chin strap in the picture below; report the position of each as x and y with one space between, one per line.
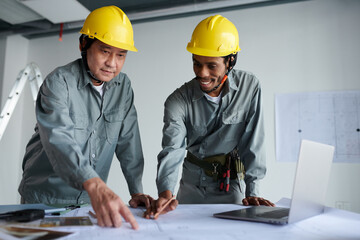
84 48
232 61
91 75
216 87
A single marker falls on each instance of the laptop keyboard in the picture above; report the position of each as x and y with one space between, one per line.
278 213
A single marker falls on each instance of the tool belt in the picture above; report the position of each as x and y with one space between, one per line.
215 166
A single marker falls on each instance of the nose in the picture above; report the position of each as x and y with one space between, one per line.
202 72
111 60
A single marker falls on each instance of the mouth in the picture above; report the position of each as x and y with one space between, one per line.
205 82
107 71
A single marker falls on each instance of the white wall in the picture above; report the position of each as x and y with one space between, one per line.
294 47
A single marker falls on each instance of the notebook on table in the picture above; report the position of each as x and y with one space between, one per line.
309 190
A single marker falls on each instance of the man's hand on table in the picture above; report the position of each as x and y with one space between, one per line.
165 203
108 206
257 201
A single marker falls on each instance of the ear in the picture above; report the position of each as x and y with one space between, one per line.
231 61
82 44
228 62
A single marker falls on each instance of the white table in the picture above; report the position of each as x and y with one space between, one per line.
194 221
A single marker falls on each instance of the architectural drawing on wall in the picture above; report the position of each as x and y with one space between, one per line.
328 117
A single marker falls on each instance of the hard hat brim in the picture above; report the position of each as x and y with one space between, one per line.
209 53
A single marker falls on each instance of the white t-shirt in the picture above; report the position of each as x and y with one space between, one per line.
214 99
99 88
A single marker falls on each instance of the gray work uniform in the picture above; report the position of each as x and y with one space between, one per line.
195 124
76 136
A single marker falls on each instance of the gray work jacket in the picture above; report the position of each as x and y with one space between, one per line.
76 136
193 123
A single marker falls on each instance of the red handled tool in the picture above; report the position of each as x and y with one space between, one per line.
227 180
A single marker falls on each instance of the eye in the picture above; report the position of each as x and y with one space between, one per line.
212 66
196 64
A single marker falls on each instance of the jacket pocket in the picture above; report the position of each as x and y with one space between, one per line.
80 121
81 125
113 124
233 117
233 126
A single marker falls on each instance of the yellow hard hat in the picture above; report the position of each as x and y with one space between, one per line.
214 36
110 25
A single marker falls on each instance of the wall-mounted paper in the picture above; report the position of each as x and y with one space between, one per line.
329 117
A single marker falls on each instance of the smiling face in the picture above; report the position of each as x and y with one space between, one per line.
105 61
209 72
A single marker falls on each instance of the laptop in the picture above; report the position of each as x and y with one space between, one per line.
309 190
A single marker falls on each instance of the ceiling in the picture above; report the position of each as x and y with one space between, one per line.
38 18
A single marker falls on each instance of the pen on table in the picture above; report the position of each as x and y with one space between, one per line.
61 212
164 206
54 210
66 209
92 214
